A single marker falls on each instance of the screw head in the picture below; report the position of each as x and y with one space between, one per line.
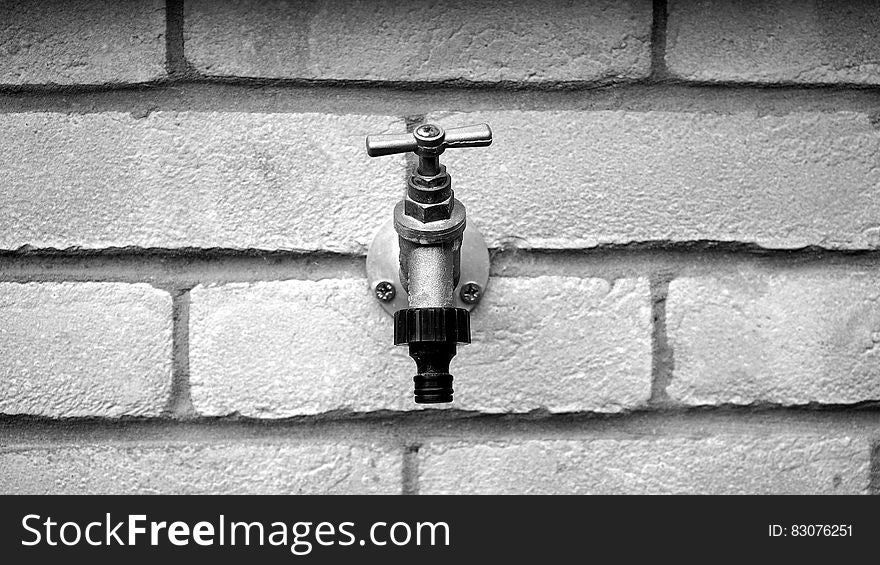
471 293
428 130
429 135
385 291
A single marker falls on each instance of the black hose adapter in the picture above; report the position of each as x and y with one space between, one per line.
432 335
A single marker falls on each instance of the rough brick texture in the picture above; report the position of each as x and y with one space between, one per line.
771 41
577 179
84 349
255 467
280 349
81 41
194 179
514 40
781 337
250 180
215 150
783 464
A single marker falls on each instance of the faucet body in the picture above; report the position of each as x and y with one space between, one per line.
429 273
430 224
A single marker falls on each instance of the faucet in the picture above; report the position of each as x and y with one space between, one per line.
431 224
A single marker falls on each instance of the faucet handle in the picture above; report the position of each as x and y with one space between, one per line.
478 135
429 139
381 145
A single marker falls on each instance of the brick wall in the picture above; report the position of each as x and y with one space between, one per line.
681 201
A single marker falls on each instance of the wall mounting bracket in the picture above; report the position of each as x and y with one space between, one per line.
383 266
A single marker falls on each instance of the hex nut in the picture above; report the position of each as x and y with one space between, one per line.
428 212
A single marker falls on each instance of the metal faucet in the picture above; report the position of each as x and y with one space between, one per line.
430 225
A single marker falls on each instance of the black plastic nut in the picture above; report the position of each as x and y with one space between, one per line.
416 325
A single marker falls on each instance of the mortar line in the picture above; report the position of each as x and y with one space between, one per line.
874 484
411 121
180 404
175 58
659 72
174 270
192 78
690 246
178 95
662 357
417 427
410 469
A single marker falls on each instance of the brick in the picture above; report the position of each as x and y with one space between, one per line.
566 179
280 349
786 337
257 467
84 349
715 465
82 41
797 41
289 181
195 179
428 40
249 180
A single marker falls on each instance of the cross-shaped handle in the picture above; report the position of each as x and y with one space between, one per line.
428 141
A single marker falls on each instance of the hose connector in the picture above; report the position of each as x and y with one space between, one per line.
432 335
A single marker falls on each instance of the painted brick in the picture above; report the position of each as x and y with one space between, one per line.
247 180
714 465
778 337
194 179
564 179
84 349
428 40
258 467
800 41
81 41
279 349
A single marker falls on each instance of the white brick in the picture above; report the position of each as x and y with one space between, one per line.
302 181
81 41
84 349
565 179
257 467
715 465
279 349
787 338
431 40
194 179
801 41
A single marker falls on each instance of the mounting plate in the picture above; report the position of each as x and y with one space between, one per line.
383 265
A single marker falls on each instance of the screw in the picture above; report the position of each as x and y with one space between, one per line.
428 130
385 291
471 293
